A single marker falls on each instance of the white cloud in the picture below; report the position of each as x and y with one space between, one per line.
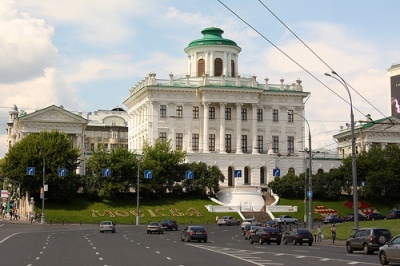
25 45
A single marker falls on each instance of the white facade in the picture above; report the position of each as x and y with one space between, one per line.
222 118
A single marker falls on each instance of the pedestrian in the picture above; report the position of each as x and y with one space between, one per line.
32 218
11 214
319 233
333 231
216 219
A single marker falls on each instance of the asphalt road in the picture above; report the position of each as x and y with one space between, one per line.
26 244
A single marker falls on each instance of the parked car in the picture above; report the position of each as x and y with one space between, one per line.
298 236
250 230
390 252
107 226
271 223
334 219
194 232
375 216
350 217
368 240
249 221
155 227
394 214
169 225
266 235
228 220
286 219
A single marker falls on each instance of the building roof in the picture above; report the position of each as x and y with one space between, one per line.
212 36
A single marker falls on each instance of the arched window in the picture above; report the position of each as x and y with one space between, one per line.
232 68
218 67
200 68
291 170
320 171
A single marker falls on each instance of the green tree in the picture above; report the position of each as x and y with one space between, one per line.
122 164
328 186
206 179
56 148
166 164
289 186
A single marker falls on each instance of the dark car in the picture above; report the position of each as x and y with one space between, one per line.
299 236
332 220
394 214
155 227
169 224
390 252
266 235
194 232
350 217
368 240
375 216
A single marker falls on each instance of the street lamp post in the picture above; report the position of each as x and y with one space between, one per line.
44 168
353 149
137 192
310 194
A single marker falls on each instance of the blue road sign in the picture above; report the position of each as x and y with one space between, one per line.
276 171
309 194
148 174
106 172
237 173
189 174
62 172
30 171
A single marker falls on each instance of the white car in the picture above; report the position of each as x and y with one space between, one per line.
249 221
228 220
286 219
107 226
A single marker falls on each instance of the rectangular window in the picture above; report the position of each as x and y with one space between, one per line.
259 114
195 112
244 114
211 112
244 143
163 137
114 134
275 144
211 142
228 143
228 114
260 144
179 111
179 141
275 115
290 142
290 116
195 142
163 111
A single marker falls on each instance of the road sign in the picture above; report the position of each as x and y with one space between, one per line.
106 172
237 173
148 174
4 193
30 171
189 174
62 172
309 194
276 171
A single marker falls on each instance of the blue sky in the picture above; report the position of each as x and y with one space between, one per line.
86 55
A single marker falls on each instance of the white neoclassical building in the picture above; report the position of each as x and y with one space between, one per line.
223 118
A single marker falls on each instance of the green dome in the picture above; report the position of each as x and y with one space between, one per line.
212 36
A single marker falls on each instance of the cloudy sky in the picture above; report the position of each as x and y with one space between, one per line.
86 55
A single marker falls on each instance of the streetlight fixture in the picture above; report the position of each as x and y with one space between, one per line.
353 148
44 168
310 194
138 159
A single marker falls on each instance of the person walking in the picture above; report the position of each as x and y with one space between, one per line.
319 233
333 231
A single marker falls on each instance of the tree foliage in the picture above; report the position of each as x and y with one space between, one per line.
205 181
289 186
56 148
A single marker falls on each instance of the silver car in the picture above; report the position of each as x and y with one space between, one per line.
107 226
390 252
228 220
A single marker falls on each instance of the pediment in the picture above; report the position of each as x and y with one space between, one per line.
53 114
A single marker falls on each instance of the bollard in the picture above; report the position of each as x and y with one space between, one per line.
315 238
132 222
51 221
63 222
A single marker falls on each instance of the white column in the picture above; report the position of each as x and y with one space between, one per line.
238 128
222 128
254 127
212 74
194 66
187 136
205 128
207 63
226 64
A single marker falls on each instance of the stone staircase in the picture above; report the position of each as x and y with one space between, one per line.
261 216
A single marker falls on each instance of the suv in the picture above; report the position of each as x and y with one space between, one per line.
394 214
368 240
